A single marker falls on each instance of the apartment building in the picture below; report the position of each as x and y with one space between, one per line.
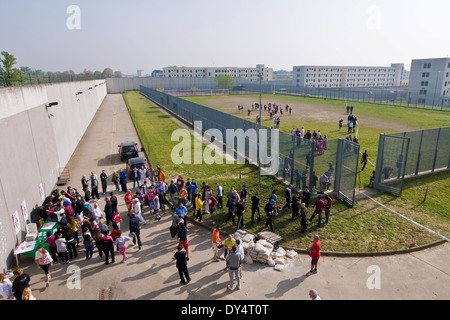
347 76
429 82
251 74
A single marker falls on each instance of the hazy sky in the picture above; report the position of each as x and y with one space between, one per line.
148 35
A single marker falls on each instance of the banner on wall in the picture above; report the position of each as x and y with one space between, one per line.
24 209
16 222
41 192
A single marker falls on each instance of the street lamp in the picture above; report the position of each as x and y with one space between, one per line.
260 124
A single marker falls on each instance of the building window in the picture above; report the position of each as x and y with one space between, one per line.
425 75
424 83
427 65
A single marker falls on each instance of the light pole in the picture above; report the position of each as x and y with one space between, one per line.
260 124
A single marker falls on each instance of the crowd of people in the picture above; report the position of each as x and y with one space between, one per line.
85 220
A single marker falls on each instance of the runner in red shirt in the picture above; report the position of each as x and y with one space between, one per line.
314 253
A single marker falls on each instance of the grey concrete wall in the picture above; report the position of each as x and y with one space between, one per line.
35 146
119 85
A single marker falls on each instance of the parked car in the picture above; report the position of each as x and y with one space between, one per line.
128 150
135 163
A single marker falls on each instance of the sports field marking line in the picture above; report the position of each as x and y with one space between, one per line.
412 221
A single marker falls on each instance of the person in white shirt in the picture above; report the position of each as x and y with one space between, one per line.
219 196
137 210
97 212
44 261
6 287
142 174
313 295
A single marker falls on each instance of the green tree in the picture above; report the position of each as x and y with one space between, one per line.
117 74
225 82
11 76
107 73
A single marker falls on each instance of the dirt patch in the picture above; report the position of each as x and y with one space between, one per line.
301 112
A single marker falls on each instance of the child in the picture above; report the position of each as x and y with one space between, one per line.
61 247
120 241
117 218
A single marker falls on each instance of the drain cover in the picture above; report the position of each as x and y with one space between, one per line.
106 293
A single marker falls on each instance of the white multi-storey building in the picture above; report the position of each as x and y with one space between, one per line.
429 82
347 77
251 74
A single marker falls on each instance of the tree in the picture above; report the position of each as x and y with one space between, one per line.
11 76
117 74
107 73
225 82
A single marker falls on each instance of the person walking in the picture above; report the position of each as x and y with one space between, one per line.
231 204
216 242
20 283
328 204
318 205
104 180
364 159
198 208
288 197
255 206
234 260
44 261
219 196
181 264
121 245
240 210
314 252
135 230
94 186
108 247
123 180
270 209
61 247
182 237
295 206
303 213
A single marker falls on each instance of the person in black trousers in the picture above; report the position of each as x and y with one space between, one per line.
180 256
135 229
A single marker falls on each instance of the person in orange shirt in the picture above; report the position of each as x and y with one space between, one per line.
129 201
182 195
216 242
162 176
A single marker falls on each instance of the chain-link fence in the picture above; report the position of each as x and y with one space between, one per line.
301 162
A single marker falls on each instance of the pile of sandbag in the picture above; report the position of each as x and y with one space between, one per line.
263 252
247 239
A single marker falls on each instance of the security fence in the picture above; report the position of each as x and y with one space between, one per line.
409 154
301 162
396 96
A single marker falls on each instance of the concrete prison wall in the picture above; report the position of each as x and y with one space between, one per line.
36 144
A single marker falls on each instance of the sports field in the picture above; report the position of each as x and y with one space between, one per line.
324 115
364 228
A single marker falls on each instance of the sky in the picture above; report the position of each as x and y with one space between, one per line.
148 35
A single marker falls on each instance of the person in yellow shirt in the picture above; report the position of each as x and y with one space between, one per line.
228 244
198 208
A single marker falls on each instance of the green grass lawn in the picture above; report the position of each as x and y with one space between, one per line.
373 119
364 228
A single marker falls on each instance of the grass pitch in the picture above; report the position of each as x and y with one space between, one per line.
366 227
